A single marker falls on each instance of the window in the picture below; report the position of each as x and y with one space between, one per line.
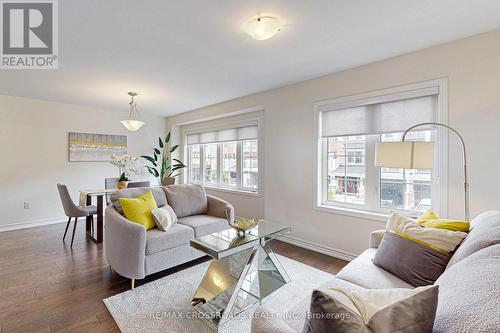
346 170
211 161
194 169
229 164
250 167
348 134
230 158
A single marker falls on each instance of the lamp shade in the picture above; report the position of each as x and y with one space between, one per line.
132 125
263 27
404 154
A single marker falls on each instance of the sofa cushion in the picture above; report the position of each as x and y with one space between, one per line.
177 235
187 199
469 294
372 310
204 224
484 231
158 194
294 317
363 272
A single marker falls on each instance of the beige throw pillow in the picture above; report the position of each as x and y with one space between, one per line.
164 217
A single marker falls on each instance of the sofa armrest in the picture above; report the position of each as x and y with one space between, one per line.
220 208
125 245
376 237
269 322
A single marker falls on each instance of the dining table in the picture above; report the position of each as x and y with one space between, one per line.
86 200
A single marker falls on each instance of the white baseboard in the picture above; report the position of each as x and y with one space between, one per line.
31 224
318 248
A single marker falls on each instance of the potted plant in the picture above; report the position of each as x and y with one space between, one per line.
123 181
163 167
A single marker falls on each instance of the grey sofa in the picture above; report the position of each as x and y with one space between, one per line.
469 289
134 252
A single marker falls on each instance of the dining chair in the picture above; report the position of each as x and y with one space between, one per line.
138 184
73 211
110 183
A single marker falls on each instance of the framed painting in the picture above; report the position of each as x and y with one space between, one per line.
88 147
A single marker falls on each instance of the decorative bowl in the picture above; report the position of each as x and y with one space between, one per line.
242 225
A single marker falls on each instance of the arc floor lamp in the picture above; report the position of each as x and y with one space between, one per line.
417 155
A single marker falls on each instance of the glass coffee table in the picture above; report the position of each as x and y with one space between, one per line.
243 272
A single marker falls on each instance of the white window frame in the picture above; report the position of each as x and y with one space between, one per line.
370 210
239 165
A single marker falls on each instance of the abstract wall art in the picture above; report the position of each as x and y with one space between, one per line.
88 147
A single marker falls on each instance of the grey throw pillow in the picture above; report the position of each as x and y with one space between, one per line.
416 254
372 310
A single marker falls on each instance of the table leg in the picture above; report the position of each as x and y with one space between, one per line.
100 218
220 296
88 219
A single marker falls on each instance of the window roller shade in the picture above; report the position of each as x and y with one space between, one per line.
233 134
377 118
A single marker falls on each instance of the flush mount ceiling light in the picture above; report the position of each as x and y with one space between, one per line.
132 124
263 27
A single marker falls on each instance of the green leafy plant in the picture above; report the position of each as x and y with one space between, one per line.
123 177
162 165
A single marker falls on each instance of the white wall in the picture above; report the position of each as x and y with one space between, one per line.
34 153
472 67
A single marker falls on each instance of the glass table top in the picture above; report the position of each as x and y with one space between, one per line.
224 243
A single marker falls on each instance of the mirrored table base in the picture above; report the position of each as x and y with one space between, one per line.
237 282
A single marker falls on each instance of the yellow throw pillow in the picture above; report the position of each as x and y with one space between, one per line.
428 215
431 220
139 209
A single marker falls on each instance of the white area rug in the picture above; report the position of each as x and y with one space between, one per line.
153 307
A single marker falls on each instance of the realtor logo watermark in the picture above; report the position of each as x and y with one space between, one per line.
29 37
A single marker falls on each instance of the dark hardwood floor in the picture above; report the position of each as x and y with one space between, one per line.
47 287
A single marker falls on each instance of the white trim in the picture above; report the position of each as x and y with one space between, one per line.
231 190
351 212
230 125
222 115
336 253
379 95
441 179
32 224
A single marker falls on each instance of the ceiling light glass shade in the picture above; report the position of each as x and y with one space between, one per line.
132 125
405 154
263 27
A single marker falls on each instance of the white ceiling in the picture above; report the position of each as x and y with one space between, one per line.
182 55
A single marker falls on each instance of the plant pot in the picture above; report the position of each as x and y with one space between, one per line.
168 181
122 184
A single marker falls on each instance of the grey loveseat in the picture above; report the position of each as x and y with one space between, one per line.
134 252
469 289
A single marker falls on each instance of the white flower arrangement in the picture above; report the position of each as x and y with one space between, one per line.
125 163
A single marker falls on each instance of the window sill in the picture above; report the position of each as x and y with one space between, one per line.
362 214
232 191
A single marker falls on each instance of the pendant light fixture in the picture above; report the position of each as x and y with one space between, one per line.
132 124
